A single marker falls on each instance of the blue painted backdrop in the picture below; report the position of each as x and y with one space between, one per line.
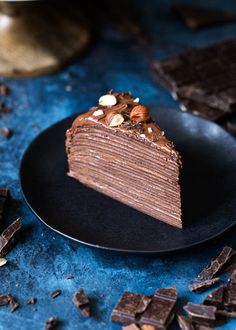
42 259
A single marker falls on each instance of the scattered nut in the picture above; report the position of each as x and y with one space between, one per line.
114 119
136 100
98 112
5 132
139 114
149 130
3 262
107 100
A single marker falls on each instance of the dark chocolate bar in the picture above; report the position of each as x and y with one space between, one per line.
197 17
204 76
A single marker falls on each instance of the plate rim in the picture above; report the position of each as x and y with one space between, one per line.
106 248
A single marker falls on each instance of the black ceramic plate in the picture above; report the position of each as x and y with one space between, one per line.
208 187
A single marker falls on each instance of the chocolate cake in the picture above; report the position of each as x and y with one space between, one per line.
117 149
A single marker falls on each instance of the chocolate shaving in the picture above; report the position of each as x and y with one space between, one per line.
4 89
216 264
204 285
4 199
55 293
6 132
8 299
51 323
8 236
81 301
196 17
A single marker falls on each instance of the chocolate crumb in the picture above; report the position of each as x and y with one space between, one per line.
55 293
13 304
8 299
51 323
4 89
6 132
4 109
31 301
69 277
81 301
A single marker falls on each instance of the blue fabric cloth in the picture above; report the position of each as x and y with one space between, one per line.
39 263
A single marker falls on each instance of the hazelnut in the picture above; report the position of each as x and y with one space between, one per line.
114 119
139 114
107 100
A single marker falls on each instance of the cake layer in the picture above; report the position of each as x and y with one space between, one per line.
119 151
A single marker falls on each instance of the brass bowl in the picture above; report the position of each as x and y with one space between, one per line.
38 37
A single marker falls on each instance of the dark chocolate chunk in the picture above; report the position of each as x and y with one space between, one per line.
226 313
81 301
4 299
160 311
31 301
185 323
8 299
206 76
201 311
4 109
217 263
55 293
197 17
51 323
4 199
4 89
8 236
215 298
230 294
129 307
13 304
204 285
6 132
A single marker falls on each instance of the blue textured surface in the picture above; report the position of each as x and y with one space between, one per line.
42 259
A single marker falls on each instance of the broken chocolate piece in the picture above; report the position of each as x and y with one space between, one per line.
129 307
160 311
204 285
4 299
216 264
185 323
81 301
4 199
206 76
4 89
6 132
31 301
200 311
8 236
230 294
8 299
13 304
51 323
215 298
196 17
55 293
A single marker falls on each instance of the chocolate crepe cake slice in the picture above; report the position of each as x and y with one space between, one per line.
117 149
